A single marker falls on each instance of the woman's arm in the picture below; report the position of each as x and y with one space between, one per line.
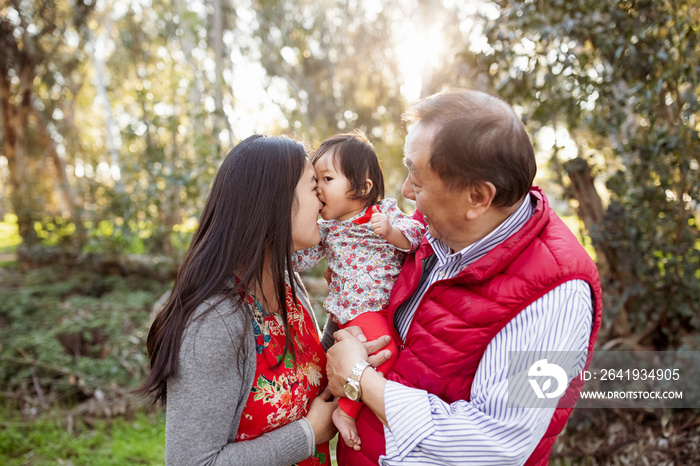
327 339
206 399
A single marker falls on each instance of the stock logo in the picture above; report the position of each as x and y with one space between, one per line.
544 370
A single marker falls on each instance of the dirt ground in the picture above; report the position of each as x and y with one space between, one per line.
629 437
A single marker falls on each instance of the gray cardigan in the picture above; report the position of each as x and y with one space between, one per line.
206 399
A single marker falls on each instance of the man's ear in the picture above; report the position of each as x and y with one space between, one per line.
480 197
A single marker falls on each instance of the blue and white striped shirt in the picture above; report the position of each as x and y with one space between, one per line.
423 429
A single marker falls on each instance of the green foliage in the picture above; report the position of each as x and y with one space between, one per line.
68 336
138 164
73 331
623 79
338 74
115 237
111 238
57 438
170 141
140 120
9 234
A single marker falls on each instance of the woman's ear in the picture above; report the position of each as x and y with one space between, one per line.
481 195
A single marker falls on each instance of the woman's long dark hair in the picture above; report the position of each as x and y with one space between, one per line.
247 217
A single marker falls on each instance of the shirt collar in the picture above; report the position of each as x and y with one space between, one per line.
477 250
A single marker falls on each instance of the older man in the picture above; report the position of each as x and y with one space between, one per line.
497 272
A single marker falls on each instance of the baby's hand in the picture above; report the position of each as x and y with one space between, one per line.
380 223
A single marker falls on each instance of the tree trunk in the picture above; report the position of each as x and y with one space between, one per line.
15 112
62 183
590 207
170 207
612 262
187 42
221 121
110 127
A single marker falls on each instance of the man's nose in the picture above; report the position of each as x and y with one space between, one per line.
407 189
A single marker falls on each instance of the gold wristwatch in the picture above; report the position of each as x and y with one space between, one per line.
352 385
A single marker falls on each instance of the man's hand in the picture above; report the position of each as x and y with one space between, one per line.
381 224
350 348
371 346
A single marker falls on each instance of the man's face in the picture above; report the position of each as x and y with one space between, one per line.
439 205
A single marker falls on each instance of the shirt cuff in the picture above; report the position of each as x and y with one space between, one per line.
310 437
409 419
412 237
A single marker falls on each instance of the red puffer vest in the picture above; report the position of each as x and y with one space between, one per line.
458 318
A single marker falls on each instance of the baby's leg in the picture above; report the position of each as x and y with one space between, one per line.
347 428
375 325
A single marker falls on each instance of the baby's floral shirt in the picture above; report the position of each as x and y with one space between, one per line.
364 265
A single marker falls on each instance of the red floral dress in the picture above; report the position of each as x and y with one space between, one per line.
283 394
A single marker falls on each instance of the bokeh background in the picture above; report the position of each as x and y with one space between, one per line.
116 115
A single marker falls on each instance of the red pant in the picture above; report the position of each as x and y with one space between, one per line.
373 325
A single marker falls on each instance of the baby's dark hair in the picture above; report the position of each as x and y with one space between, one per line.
354 156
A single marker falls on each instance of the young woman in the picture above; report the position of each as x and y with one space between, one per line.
236 350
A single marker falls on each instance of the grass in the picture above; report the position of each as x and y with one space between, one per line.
120 441
38 306
55 439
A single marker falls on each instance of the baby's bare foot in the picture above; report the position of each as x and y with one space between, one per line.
347 428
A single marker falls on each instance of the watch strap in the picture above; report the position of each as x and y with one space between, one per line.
357 371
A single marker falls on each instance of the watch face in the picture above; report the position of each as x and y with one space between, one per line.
351 391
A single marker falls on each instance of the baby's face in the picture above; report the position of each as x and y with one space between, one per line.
333 190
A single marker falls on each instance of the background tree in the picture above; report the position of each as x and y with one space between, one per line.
622 78
135 168
116 115
338 66
40 55
166 81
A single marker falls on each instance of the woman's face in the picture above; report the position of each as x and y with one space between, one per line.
305 211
